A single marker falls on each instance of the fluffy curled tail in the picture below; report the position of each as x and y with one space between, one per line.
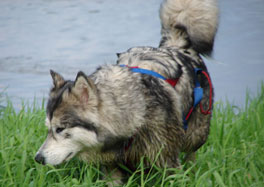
189 23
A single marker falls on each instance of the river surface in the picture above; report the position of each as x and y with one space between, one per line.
68 36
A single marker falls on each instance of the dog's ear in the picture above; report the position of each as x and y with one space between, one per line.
84 88
58 80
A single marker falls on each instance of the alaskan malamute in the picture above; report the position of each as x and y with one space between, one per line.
153 100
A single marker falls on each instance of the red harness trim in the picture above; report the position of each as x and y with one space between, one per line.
189 114
172 82
132 66
208 111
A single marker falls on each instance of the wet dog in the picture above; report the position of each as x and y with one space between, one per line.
154 100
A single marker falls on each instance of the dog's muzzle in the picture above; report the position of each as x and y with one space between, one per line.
40 159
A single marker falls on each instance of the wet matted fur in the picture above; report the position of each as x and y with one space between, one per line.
116 116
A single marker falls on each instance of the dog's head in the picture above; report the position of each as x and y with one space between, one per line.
71 119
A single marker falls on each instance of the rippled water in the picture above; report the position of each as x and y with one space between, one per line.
67 36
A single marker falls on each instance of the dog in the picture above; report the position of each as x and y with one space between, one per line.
145 105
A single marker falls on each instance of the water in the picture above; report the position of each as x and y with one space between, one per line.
68 36
240 49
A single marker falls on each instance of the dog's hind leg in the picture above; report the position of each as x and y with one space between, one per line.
194 139
196 135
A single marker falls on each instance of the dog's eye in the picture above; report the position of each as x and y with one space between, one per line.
58 130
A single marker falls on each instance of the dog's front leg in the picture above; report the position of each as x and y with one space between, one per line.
112 175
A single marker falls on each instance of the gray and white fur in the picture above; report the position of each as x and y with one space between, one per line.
116 116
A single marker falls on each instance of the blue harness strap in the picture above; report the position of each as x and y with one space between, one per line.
198 90
148 72
197 97
144 71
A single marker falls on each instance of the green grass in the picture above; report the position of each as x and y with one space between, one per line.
232 156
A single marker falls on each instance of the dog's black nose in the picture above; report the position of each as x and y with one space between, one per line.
40 159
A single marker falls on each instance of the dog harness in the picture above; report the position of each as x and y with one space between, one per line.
136 69
198 96
197 92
